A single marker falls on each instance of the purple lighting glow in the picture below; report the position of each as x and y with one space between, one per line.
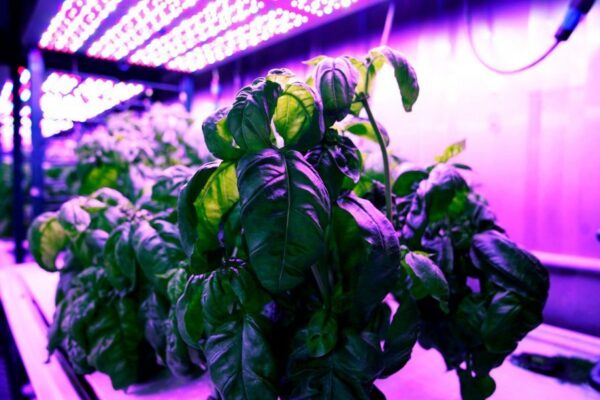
181 35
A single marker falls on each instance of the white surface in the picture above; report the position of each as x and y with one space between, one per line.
46 374
423 378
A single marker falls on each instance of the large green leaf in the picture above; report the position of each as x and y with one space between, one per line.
102 176
211 196
249 119
369 254
114 338
187 220
47 239
336 79
188 312
402 335
285 209
427 279
119 258
157 250
510 267
73 218
408 180
403 71
346 373
338 163
218 138
241 362
298 117
169 183
508 319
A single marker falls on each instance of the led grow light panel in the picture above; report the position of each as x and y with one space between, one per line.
182 35
66 98
69 97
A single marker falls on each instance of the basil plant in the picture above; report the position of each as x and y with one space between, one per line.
477 293
289 268
121 272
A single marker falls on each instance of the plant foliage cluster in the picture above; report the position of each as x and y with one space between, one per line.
272 267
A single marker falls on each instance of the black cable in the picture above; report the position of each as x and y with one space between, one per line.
469 16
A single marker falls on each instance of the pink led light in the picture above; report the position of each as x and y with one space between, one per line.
321 7
75 23
261 28
140 22
216 17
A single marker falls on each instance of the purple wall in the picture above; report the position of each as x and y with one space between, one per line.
532 139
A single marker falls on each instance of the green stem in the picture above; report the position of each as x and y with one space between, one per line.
384 155
320 284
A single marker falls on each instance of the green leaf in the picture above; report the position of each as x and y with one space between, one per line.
362 127
153 313
169 183
176 286
369 254
119 259
102 176
428 279
346 373
283 76
451 151
401 336
338 163
177 353
157 250
46 239
408 181
188 312
249 120
475 387
241 362
212 196
283 189
218 137
510 267
508 319
114 338
403 71
361 86
73 218
298 117
321 333
230 292
314 61
187 220
336 80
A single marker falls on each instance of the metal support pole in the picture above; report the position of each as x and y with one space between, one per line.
187 87
36 67
18 195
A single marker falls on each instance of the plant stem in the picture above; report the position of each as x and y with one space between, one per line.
317 274
384 155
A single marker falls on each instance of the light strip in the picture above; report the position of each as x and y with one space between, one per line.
261 28
140 23
321 7
76 21
216 17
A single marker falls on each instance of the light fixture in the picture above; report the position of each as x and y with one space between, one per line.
66 98
182 35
